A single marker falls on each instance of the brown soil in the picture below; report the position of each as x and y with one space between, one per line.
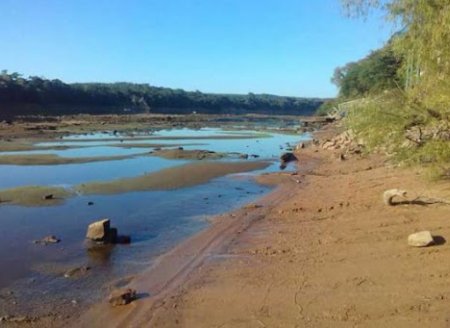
322 251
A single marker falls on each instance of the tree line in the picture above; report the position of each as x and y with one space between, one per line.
40 96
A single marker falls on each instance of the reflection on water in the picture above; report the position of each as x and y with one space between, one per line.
155 220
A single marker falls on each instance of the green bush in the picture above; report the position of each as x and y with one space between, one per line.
403 130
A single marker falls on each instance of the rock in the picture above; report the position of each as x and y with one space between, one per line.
102 233
300 146
328 145
48 197
78 271
99 230
15 319
288 157
48 240
388 195
243 156
122 297
420 239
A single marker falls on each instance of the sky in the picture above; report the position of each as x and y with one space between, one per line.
283 47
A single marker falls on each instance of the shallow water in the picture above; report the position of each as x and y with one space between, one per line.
266 147
155 220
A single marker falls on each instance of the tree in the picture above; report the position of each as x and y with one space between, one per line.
418 117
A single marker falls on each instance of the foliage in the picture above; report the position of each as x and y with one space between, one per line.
37 95
371 75
411 123
327 107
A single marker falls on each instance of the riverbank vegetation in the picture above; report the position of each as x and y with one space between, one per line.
397 99
40 96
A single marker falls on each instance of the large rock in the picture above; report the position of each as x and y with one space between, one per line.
99 230
122 296
102 233
420 239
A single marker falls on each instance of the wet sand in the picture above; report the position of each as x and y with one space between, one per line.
34 196
175 177
323 250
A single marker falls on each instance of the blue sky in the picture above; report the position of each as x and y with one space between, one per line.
285 47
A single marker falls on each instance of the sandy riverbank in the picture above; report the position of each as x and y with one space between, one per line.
322 251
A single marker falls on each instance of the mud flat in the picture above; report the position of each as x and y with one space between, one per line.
34 196
171 178
323 250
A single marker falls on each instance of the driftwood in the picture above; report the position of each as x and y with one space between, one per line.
389 195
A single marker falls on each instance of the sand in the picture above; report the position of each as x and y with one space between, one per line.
34 196
321 251
182 176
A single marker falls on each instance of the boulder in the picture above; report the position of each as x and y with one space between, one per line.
102 233
99 230
122 296
420 239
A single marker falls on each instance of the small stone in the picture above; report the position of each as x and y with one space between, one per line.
388 195
48 240
300 146
243 156
420 239
122 297
76 272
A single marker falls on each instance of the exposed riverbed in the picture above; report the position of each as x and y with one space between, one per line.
156 218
